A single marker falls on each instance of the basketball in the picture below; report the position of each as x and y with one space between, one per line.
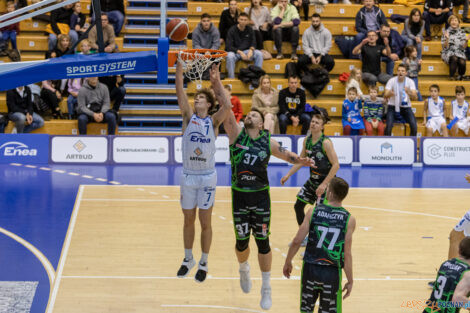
177 29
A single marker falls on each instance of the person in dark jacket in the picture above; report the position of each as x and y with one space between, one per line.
240 44
78 19
206 35
292 102
11 31
436 12
20 110
116 89
61 15
3 123
396 46
114 9
228 18
369 17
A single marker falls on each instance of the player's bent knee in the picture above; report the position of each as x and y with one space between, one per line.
263 246
242 245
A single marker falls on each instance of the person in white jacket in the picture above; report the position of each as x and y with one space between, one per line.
316 43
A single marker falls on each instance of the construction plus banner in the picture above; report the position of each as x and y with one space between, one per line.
17 74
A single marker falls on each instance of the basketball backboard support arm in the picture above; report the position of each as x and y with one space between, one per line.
163 47
99 27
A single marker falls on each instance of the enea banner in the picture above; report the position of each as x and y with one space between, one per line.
141 150
79 149
387 151
446 151
222 154
24 148
344 147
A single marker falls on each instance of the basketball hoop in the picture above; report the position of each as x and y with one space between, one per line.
196 61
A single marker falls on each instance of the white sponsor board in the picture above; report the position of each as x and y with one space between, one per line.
79 149
344 148
140 150
387 151
222 154
440 151
284 142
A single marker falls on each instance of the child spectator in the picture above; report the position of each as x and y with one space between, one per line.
85 47
414 66
354 80
78 19
236 104
373 112
434 108
460 117
352 119
11 31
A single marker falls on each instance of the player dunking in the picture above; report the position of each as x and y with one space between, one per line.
199 177
452 282
319 148
250 150
329 228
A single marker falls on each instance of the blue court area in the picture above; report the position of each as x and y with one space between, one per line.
37 203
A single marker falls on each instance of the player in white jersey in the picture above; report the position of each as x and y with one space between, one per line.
460 118
199 177
434 108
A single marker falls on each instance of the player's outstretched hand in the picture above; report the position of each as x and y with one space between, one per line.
320 190
215 73
467 177
307 162
284 179
287 269
348 287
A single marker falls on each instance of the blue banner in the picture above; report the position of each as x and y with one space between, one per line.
24 148
13 75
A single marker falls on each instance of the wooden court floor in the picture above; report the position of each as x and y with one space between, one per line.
124 246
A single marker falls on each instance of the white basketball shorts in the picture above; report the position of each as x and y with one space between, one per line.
464 224
198 190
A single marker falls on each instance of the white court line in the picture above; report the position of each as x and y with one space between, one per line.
388 278
30 166
209 307
65 250
45 168
101 179
87 176
73 174
59 171
16 164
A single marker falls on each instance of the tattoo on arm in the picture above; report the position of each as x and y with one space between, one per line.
282 149
293 159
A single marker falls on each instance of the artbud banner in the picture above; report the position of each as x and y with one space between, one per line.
17 74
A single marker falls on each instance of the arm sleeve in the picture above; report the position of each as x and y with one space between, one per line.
327 44
366 111
229 42
106 102
408 33
301 106
215 39
359 27
92 38
54 22
253 38
380 112
73 21
222 27
29 101
196 39
11 103
382 18
81 103
82 20
426 5
305 44
282 104
111 37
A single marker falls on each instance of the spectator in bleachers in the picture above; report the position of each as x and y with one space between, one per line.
369 17
292 102
114 9
351 115
85 47
260 21
399 92
435 113
94 106
206 35
465 18
304 4
286 21
316 43
265 99
20 110
436 12
74 86
460 114
60 21
108 36
236 104
454 42
51 94
63 45
11 31
20 4
354 80
371 54
414 66
413 30
116 89
78 19
228 18
240 45
396 44
373 112
3 123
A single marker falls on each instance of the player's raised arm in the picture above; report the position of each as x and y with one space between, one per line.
232 128
296 167
288 156
333 158
348 262
221 96
462 289
185 108
295 245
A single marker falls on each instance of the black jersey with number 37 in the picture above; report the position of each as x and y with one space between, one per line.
249 158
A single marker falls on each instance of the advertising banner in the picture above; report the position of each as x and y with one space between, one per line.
79 149
446 151
141 149
24 148
387 151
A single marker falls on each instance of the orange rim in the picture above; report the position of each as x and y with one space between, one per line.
173 54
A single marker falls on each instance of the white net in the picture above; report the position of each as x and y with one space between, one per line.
196 63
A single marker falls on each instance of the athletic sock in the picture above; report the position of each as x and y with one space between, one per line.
266 279
204 258
244 266
188 254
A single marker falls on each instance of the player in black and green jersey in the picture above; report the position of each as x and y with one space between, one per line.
330 228
319 148
250 149
452 283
